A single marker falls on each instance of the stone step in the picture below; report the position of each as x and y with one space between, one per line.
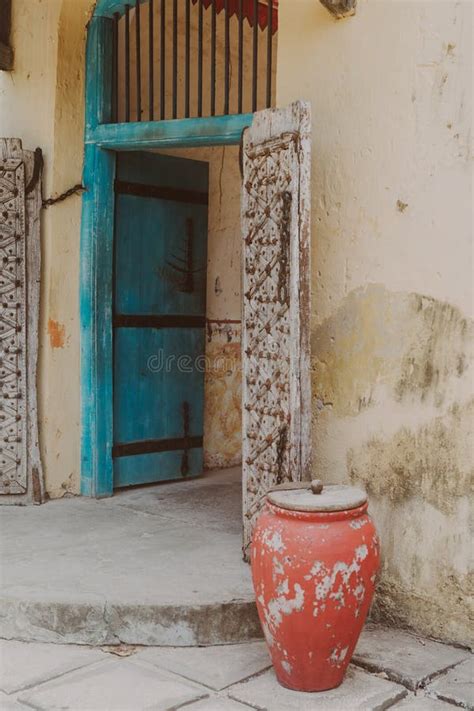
159 565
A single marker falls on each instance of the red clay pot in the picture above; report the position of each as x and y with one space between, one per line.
314 576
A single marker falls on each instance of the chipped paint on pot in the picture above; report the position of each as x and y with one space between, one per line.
314 577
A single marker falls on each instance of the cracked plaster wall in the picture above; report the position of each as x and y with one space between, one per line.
392 330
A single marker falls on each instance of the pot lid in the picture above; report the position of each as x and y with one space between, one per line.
313 496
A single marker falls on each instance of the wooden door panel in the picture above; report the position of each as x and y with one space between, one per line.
156 370
159 317
158 466
161 256
276 385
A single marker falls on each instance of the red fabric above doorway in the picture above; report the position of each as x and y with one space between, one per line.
248 11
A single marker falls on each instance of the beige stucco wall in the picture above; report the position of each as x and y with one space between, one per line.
392 282
41 102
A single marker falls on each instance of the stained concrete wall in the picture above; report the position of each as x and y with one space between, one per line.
392 328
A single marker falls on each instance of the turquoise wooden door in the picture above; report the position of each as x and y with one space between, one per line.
159 317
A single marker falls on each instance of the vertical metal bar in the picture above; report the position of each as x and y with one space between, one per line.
162 59
151 62
200 24
241 56
115 78
226 57
187 71
127 63
269 52
175 59
138 49
255 56
213 57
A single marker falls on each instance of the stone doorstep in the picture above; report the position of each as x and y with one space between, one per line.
404 657
153 580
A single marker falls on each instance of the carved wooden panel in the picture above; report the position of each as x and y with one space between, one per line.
19 265
276 304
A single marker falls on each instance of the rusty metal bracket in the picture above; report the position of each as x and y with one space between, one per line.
37 171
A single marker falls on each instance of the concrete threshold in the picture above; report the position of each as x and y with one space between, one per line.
158 565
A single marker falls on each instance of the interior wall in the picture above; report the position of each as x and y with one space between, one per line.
222 396
392 329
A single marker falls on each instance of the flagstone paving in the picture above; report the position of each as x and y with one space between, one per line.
50 677
23 665
456 686
405 658
360 691
216 667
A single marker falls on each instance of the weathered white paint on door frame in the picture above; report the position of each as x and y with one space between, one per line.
276 387
21 479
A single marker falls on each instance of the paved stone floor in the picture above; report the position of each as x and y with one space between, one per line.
391 669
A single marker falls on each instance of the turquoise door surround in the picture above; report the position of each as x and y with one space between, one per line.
103 142
160 260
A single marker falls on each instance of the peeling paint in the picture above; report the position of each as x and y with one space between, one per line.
282 605
273 542
57 334
222 407
338 655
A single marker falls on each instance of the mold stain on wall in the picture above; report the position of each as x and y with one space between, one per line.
413 345
394 414
430 463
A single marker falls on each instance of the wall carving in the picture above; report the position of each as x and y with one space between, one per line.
20 204
276 308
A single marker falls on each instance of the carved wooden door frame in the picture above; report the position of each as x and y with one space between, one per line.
276 385
21 479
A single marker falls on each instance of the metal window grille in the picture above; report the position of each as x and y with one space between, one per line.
193 58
